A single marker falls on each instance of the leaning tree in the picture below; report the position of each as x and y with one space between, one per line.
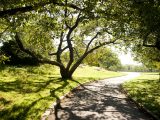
71 28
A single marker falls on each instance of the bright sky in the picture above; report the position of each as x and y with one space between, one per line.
127 59
0 44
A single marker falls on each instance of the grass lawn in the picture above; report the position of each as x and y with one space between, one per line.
146 91
26 92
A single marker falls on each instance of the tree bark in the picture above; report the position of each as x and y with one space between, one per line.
65 73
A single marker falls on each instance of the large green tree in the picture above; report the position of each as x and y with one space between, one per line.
74 27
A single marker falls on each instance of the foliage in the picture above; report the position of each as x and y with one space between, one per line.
148 56
76 27
3 59
146 91
142 22
25 92
105 58
143 30
14 56
149 17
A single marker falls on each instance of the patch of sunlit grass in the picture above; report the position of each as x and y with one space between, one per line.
146 90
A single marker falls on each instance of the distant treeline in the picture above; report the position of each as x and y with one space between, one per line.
137 68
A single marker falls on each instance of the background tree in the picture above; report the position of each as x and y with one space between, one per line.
105 58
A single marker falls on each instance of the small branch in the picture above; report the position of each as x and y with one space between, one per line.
146 45
100 45
88 45
106 30
59 51
68 5
145 41
52 53
64 49
76 52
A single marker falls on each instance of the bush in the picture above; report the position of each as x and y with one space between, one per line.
15 55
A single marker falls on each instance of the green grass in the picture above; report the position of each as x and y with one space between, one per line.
146 91
26 92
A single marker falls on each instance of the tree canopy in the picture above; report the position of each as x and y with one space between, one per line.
50 29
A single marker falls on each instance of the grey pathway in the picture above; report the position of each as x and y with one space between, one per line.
100 100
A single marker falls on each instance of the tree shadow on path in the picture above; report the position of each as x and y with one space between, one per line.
106 103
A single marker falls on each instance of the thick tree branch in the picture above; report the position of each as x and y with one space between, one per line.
20 45
14 11
39 58
79 61
71 54
66 11
100 45
60 51
46 61
59 48
77 22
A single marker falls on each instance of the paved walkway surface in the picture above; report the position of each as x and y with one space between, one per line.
100 100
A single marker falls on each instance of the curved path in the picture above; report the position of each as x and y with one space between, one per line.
100 100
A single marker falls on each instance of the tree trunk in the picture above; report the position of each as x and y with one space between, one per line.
65 74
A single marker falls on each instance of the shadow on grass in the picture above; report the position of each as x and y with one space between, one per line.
18 112
2 67
26 87
22 111
146 92
4 101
